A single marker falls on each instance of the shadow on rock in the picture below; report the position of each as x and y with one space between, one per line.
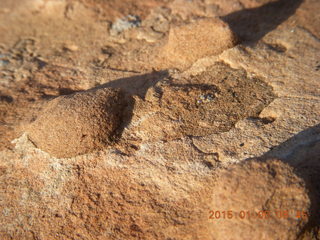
302 152
252 24
90 120
134 85
137 85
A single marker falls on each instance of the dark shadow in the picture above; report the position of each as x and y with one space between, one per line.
252 24
292 150
137 85
5 98
302 152
66 91
60 92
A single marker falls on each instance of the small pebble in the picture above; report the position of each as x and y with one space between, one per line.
71 47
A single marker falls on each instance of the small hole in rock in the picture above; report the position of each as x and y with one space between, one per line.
134 147
208 164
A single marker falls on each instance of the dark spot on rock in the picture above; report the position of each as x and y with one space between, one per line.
267 120
5 98
208 164
135 147
135 227
277 48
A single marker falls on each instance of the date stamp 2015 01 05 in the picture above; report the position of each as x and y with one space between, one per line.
263 215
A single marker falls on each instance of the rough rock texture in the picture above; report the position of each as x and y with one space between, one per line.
111 196
266 199
296 108
105 195
79 123
173 154
201 38
210 102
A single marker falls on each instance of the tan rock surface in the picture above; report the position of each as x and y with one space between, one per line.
161 177
265 200
210 102
296 108
192 41
79 123
112 196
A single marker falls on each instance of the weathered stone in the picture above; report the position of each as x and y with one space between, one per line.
163 176
266 200
78 123
189 42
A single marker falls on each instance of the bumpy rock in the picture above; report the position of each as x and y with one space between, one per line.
208 103
266 200
189 42
163 188
79 123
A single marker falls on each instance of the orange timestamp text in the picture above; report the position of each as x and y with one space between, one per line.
263 214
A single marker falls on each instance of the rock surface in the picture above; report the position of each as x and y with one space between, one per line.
192 41
79 123
266 195
210 102
174 159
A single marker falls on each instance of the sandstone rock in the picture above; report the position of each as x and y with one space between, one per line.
295 81
165 186
78 123
210 102
150 195
189 42
267 200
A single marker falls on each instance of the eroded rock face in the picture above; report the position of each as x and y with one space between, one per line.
78 123
189 42
211 102
215 100
267 200
112 196
165 186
